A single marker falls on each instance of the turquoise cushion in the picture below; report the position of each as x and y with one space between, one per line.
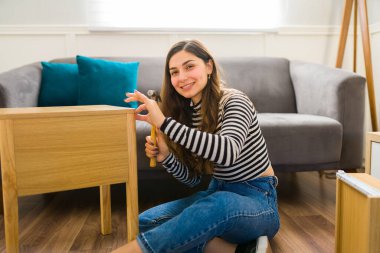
106 82
59 85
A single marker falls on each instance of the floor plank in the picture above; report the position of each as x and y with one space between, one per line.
70 221
307 212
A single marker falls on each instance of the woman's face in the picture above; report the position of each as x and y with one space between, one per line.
189 74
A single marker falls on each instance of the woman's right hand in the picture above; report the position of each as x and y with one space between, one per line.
155 117
161 151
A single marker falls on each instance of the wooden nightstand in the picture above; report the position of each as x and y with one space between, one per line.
357 222
49 149
372 155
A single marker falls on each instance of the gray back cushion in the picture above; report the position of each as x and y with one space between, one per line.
150 71
265 80
20 87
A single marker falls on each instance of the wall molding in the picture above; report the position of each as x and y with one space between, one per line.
375 28
309 30
42 29
84 29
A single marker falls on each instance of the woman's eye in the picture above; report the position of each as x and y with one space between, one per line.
189 67
173 73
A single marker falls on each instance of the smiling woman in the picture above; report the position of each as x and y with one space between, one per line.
189 76
172 15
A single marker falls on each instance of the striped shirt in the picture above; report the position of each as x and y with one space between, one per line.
237 148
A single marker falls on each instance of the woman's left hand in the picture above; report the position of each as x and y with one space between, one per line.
154 117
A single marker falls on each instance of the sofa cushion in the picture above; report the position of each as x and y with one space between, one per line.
151 70
59 85
20 87
296 139
301 138
265 80
106 82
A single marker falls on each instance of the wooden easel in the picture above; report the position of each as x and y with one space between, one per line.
362 4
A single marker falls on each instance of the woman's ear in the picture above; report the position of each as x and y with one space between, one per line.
209 66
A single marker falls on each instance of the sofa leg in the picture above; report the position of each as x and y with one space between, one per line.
327 174
332 174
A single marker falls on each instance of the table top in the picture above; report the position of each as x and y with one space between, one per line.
27 112
368 179
373 133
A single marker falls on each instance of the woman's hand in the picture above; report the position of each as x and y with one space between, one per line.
161 151
154 117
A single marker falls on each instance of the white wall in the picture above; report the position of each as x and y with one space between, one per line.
32 30
304 12
373 11
43 12
35 30
68 12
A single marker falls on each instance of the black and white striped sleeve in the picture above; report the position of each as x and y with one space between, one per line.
180 171
224 148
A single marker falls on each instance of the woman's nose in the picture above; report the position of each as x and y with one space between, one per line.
182 76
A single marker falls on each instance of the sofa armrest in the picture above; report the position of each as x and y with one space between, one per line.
337 94
20 87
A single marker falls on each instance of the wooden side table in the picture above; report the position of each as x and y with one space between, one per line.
372 154
357 222
50 149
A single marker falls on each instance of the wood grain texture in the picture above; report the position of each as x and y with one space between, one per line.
307 213
1 187
9 184
357 217
105 209
347 10
153 136
306 204
60 111
63 153
53 149
132 187
363 15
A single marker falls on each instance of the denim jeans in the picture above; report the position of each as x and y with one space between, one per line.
236 212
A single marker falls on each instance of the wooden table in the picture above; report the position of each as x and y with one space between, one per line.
50 149
372 154
357 221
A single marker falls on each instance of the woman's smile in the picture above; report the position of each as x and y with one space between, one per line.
188 86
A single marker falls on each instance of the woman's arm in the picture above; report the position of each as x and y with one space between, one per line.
161 152
180 171
223 148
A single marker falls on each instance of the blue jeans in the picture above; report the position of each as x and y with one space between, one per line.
235 212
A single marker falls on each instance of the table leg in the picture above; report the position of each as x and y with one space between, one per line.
9 180
132 210
105 209
131 186
11 219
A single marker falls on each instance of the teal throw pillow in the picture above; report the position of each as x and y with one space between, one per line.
106 82
59 84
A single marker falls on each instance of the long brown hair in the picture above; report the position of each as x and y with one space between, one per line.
178 107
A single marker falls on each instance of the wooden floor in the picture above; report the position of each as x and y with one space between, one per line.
69 221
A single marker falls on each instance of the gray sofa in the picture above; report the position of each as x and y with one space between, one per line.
312 116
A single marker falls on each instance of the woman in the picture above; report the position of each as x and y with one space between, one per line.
204 128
